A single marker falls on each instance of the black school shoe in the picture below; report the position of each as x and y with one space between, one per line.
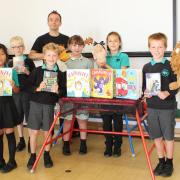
159 170
9 167
168 170
66 148
21 146
83 147
117 152
2 164
48 163
31 161
108 151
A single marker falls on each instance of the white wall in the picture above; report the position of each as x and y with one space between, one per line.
133 19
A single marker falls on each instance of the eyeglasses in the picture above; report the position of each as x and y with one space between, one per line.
17 47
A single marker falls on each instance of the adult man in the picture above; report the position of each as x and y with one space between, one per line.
54 22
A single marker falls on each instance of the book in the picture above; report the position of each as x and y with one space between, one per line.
5 78
128 83
50 78
102 83
18 64
78 83
153 83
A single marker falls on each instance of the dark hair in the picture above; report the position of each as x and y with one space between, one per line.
4 48
54 12
115 34
76 39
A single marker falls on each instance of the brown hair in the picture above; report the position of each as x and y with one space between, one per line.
54 12
157 36
115 34
76 39
51 47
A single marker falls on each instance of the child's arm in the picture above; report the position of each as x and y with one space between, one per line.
62 84
14 87
15 82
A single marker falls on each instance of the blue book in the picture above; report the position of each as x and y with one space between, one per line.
128 83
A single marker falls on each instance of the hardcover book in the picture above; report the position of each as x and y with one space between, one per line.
78 83
5 78
129 83
102 83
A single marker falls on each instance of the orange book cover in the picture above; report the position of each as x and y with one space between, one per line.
102 83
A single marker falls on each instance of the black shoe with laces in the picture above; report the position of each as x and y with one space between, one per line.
21 146
2 164
48 163
117 152
9 167
159 169
168 170
31 161
66 148
83 147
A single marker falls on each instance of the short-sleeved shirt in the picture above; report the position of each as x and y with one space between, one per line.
79 63
117 61
47 38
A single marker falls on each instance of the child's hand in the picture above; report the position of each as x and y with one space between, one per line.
41 86
12 83
25 70
147 94
163 94
55 88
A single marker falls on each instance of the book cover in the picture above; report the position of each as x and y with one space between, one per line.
128 83
102 83
153 83
5 78
50 78
78 83
18 64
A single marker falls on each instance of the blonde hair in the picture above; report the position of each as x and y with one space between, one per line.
17 39
158 36
51 47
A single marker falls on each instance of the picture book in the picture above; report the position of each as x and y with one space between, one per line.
5 78
128 83
102 83
78 83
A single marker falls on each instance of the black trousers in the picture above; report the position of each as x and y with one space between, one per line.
116 118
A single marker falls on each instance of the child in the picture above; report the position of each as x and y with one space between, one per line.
77 61
8 118
42 103
22 98
116 60
161 108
